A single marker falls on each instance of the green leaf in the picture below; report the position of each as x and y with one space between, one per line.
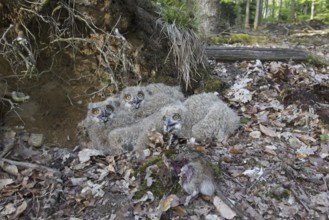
324 137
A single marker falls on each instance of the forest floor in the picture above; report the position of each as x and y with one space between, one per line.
276 166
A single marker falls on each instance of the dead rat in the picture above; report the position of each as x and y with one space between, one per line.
197 177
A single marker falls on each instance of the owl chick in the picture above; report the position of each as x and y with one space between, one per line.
102 117
206 116
168 119
131 138
144 101
135 137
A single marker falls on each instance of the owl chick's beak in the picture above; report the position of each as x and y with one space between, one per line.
171 125
136 102
104 116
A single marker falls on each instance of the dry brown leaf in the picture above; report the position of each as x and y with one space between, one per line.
21 209
180 211
224 210
201 149
236 151
5 182
86 154
168 202
8 141
11 169
255 134
8 209
267 131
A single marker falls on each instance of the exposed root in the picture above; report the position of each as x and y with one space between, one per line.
187 49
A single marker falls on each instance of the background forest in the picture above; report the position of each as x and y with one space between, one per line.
244 14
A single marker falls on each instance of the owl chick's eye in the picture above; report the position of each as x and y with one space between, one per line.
140 95
164 118
176 117
109 108
95 111
127 97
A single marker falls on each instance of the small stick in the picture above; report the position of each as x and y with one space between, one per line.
29 165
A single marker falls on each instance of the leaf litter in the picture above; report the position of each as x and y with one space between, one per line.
275 166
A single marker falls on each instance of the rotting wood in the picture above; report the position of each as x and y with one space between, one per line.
252 53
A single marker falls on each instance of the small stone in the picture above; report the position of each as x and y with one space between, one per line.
36 140
255 134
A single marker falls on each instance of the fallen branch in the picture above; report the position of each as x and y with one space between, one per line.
29 165
252 53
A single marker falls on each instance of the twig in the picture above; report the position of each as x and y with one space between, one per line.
29 165
299 200
5 33
12 105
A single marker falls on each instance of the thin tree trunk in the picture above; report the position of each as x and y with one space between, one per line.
292 10
247 25
258 14
312 9
280 10
266 9
273 9
238 21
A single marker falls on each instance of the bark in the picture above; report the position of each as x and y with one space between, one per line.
292 10
208 12
312 9
247 25
247 53
258 14
280 10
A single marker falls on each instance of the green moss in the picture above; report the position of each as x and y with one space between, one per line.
210 85
146 164
317 60
157 188
218 40
241 38
168 80
279 193
217 170
237 38
244 120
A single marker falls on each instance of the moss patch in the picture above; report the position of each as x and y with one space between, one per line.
238 38
317 60
210 85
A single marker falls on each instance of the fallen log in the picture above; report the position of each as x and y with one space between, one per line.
253 53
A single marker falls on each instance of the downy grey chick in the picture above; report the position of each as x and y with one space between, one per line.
168 119
131 138
135 137
144 101
102 117
208 117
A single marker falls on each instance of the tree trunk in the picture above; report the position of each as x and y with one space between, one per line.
312 9
292 10
247 25
273 9
208 12
258 14
266 14
280 11
248 53
238 21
